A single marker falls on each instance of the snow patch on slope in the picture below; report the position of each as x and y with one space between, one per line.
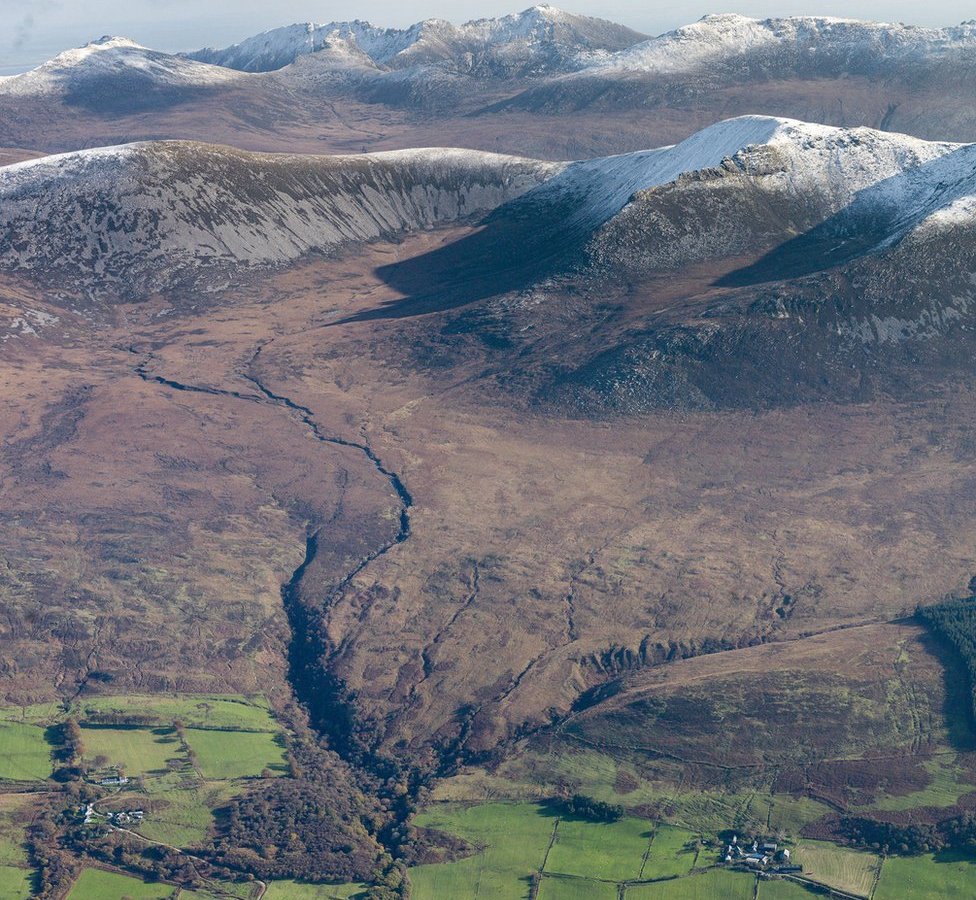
144 217
718 38
115 56
599 188
538 31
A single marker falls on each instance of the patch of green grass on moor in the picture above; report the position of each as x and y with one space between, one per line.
183 817
853 871
248 714
791 814
780 889
139 751
941 876
949 783
15 883
236 754
556 888
97 884
669 854
15 814
296 890
25 754
514 838
608 850
714 884
36 713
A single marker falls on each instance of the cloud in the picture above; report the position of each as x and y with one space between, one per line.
30 10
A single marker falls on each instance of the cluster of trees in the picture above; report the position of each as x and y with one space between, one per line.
955 622
117 717
957 833
295 829
593 810
68 740
56 868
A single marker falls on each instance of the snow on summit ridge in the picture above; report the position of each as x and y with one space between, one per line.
724 36
111 56
431 40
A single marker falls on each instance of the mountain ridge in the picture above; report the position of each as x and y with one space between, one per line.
148 216
537 30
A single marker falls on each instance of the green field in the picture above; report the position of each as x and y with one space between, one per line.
295 890
139 751
514 836
236 754
15 813
25 754
249 714
715 884
668 855
944 876
780 889
848 870
96 884
182 817
15 883
223 890
613 851
38 713
576 889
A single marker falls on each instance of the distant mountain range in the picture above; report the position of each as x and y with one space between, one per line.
537 41
541 83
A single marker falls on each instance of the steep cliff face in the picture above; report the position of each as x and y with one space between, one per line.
146 217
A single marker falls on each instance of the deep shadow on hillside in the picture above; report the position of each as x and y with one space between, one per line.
513 249
877 217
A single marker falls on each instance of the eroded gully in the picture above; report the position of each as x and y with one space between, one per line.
314 684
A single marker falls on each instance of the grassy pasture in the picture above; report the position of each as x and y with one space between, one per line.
609 850
715 884
780 889
194 710
223 890
15 813
37 713
97 884
25 754
235 754
139 751
849 870
942 876
514 837
668 855
15 883
296 890
182 817
554 888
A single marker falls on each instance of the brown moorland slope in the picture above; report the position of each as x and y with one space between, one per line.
544 553
278 485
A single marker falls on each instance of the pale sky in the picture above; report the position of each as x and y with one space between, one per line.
32 31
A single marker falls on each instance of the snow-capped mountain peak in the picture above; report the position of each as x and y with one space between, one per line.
539 30
721 38
114 57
